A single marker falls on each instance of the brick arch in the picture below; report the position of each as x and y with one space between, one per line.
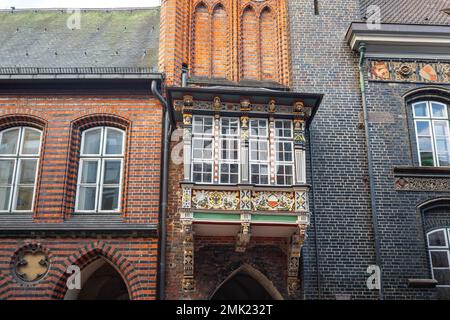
77 126
89 254
22 120
5 281
427 92
257 275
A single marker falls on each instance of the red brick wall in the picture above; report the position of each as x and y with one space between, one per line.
235 39
249 38
220 40
134 258
61 118
201 42
140 116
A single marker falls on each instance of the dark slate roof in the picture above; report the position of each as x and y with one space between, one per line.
410 11
121 38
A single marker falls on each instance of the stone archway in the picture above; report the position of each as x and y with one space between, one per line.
100 281
246 283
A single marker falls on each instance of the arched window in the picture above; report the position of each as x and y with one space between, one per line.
99 186
431 122
20 148
438 246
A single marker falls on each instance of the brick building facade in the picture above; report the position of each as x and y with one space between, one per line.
66 89
310 145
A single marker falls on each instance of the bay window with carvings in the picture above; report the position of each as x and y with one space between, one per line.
233 150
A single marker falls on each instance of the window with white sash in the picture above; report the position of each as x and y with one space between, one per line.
259 152
438 248
224 149
99 187
229 165
20 148
202 149
284 152
431 122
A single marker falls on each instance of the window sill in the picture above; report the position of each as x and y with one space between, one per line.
422 283
433 172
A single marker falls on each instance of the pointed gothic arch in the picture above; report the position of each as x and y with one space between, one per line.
249 44
268 46
246 283
89 254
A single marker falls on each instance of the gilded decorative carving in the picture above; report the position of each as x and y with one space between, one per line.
245 105
294 262
186 198
187 119
245 200
272 106
225 200
188 283
429 73
188 101
299 133
31 263
380 70
244 128
422 184
217 104
407 71
301 201
273 201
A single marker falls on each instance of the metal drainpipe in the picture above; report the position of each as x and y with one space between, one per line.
373 202
167 129
316 241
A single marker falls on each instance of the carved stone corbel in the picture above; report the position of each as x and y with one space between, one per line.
295 248
243 237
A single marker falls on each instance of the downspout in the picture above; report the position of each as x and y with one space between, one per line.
373 202
167 129
313 191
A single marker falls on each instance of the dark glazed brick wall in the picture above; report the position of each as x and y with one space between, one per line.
402 226
323 63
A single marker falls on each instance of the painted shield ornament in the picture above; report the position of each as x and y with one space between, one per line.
380 70
429 73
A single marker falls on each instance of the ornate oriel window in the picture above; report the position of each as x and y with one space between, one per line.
438 247
20 149
431 121
99 186
217 143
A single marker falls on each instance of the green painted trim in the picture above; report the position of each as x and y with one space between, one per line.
273 218
212 216
217 216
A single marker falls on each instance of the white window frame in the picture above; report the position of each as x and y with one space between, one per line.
17 157
289 140
230 137
445 249
202 136
431 119
101 158
257 139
